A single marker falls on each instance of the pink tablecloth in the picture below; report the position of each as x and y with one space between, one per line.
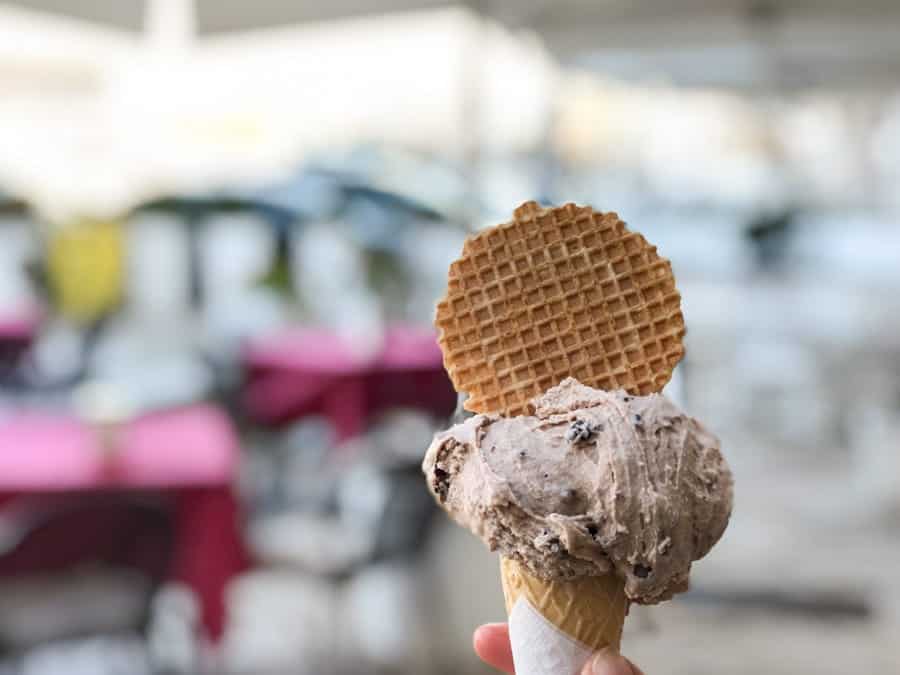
194 446
305 372
188 455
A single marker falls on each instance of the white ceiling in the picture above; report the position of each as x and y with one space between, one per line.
775 44
123 14
221 16
224 16
781 44
608 20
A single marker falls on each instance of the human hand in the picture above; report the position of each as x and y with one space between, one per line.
491 643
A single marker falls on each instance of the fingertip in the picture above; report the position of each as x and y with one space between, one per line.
487 634
608 662
491 644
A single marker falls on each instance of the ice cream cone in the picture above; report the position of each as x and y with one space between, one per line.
556 625
561 326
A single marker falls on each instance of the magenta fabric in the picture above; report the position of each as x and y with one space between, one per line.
314 372
192 446
187 457
20 325
17 332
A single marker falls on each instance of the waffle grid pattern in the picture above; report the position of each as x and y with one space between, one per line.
554 293
591 610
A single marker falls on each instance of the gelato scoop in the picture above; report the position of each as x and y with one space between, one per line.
593 483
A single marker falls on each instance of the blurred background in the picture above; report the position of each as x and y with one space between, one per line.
223 228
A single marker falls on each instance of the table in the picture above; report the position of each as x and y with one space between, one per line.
188 455
315 372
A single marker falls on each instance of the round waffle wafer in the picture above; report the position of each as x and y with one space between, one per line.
554 293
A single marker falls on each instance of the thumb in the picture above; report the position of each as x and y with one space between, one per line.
607 662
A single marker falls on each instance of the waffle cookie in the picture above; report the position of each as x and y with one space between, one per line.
553 293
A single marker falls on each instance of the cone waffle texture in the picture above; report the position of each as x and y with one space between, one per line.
589 609
558 292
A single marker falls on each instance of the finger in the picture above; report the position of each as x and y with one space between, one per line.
607 662
634 668
491 643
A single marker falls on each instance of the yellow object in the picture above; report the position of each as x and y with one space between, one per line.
589 609
85 265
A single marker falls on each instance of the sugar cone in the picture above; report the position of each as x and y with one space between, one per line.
589 610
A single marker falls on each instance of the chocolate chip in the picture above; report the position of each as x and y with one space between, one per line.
546 475
441 483
637 418
642 572
593 530
522 454
580 430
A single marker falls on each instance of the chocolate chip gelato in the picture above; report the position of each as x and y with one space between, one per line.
593 483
